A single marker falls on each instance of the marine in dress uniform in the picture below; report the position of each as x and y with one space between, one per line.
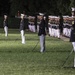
72 38
61 24
5 24
42 32
22 28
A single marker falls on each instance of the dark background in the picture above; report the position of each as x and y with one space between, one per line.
53 7
32 7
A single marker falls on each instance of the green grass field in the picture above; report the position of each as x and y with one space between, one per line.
23 59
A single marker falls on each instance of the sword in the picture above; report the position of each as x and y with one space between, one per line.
68 57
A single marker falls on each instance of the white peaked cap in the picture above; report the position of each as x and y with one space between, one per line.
5 15
22 14
73 9
52 16
41 14
65 16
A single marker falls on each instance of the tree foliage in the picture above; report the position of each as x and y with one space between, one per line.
4 6
53 7
72 4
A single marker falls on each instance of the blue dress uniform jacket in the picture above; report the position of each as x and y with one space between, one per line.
5 23
72 37
22 26
42 28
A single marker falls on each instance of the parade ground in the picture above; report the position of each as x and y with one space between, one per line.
25 59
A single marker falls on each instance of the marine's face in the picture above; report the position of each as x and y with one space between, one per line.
5 17
40 17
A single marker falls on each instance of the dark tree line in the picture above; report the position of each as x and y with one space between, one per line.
52 7
4 6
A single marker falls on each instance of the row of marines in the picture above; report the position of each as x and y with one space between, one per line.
56 28
56 25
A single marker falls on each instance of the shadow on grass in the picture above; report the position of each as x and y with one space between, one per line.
31 51
18 39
